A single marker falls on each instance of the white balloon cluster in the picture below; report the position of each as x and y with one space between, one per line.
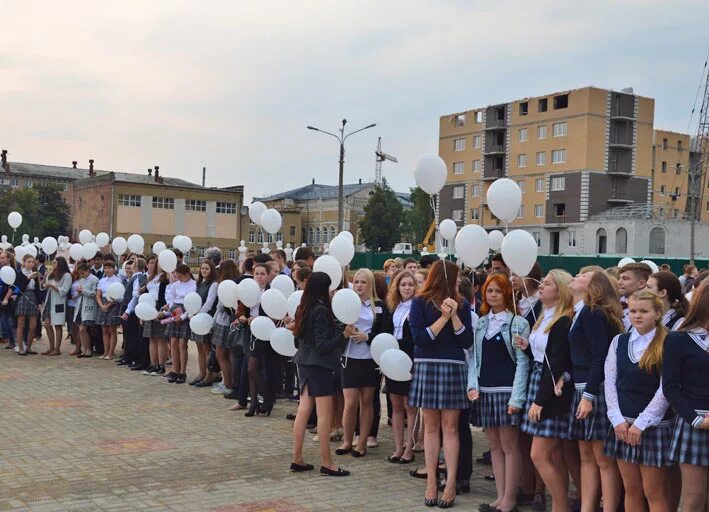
268 218
393 361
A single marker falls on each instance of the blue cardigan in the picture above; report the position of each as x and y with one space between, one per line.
685 379
447 345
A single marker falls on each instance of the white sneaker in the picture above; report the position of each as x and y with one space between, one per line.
372 442
17 349
218 389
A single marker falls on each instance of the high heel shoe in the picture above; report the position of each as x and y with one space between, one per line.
265 409
252 410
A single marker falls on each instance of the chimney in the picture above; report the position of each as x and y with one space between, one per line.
313 181
204 175
3 156
91 167
150 172
360 181
157 174
73 164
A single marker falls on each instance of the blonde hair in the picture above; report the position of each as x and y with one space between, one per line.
651 360
564 307
369 277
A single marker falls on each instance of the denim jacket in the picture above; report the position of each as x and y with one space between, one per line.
520 327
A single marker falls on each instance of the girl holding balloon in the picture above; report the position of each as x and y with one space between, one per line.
54 314
86 309
207 291
224 316
178 329
109 309
26 306
156 285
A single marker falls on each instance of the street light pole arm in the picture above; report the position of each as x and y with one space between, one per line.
325 132
357 131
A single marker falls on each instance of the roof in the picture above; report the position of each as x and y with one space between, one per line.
320 191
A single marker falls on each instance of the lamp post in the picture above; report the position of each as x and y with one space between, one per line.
341 138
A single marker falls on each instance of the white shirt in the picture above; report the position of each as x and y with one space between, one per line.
255 309
27 273
577 309
105 282
401 313
177 291
656 409
538 338
211 297
526 304
364 324
700 337
153 287
495 321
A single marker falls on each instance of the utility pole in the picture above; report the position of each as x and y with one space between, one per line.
696 172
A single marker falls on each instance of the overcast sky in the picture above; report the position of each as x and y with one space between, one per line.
232 85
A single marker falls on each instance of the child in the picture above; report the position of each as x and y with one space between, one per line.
86 308
109 309
26 309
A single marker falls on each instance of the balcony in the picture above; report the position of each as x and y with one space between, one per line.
620 170
493 174
495 124
494 149
619 199
621 141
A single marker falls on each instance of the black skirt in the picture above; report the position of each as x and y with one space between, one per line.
360 373
320 381
396 387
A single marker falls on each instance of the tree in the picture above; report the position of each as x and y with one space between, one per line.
44 212
381 227
418 219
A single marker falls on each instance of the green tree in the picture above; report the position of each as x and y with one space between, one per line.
381 227
418 219
44 212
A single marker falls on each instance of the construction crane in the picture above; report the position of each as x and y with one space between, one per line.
381 157
696 171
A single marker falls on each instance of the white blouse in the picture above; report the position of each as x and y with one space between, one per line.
177 291
31 284
538 338
495 321
577 309
153 287
105 282
526 304
656 409
364 324
401 313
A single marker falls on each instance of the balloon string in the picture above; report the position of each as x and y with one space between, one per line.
526 292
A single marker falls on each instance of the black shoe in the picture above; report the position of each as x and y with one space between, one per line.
232 395
137 368
430 502
173 377
196 380
463 486
394 459
524 499
121 362
415 473
132 365
149 370
485 459
446 503
181 378
297 468
343 451
252 410
203 384
331 472
357 455
265 409
290 416
170 375
80 355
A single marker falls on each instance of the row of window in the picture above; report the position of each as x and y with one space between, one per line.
556 184
666 145
558 156
259 237
317 236
558 130
678 168
560 101
168 203
14 182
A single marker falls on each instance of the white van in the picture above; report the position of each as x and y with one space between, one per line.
402 248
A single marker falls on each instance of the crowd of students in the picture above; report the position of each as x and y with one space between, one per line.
598 378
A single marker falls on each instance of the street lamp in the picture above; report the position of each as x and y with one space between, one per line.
341 138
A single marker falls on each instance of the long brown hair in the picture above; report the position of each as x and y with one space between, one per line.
603 294
651 360
501 280
317 289
228 270
698 316
670 283
212 271
61 267
393 297
436 288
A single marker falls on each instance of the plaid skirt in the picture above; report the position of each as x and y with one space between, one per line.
556 427
177 330
153 329
596 425
27 304
492 410
439 385
654 448
690 445
110 317
220 335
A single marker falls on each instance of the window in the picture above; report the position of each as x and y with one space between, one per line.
522 160
558 156
663 190
621 241
664 167
678 169
292 231
522 184
252 237
232 254
196 205
128 200
479 117
279 237
229 208
476 165
561 101
475 191
657 241
558 183
64 187
457 215
259 236
459 144
708 206
475 214
458 192
539 210
601 239
539 184
542 105
15 182
167 203
541 158
680 147
537 237
542 131
676 191
524 108
458 167
522 134
477 141
571 238
460 120
665 143
559 129
317 235
520 213
29 183
560 209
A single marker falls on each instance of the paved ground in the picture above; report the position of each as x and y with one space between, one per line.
86 435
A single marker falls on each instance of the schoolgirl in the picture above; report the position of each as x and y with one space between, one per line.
27 284
637 408
86 309
674 303
54 312
156 285
71 301
223 320
178 326
207 290
7 329
685 382
360 376
109 310
497 377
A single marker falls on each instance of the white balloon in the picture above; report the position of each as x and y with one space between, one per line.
228 293
342 249
201 323
381 342
653 266
85 236
274 304
49 245
255 211
331 267
167 260
145 310
504 198
76 251
136 244
89 250
14 219
284 284
183 243
30 249
262 327
495 237
283 342
347 235
294 302
146 298
396 364
249 293
625 261
430 173
346 306
192 303
271 221
19 253
448 229
102 239
8 275
119 245
519 250
115 291
159 247
472 244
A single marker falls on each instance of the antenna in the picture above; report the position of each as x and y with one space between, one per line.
381 157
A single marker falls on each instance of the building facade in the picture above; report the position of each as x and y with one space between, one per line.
574 154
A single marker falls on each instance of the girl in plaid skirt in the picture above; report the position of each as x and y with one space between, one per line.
108 310
178 330
637 408
26 303
685 382
207 290
156 287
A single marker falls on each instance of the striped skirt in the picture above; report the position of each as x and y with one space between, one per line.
556 427
153 329
439 385
27 304
596 425
110 317
492 410
179 330
653 450
690 445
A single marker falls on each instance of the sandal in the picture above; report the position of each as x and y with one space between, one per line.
430 502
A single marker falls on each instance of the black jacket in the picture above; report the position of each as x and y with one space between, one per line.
381 321
406 343
322 341
21 282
